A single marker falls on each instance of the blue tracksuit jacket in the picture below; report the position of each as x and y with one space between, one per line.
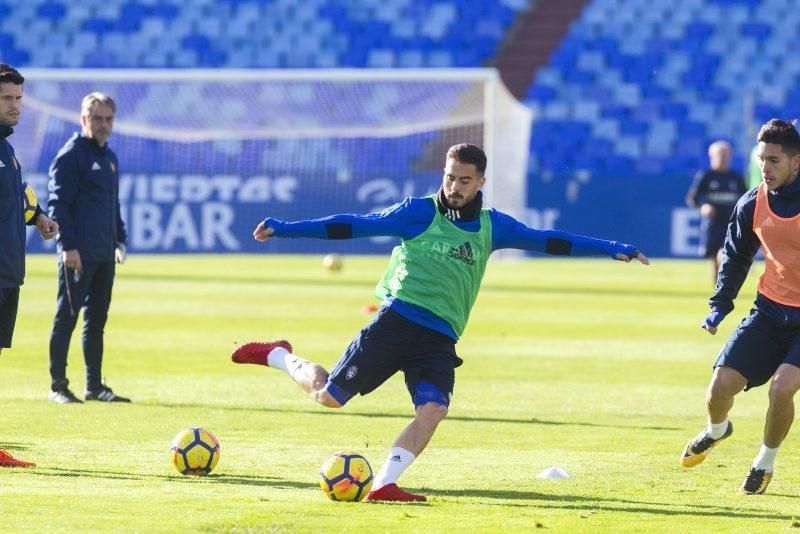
84 199
12 220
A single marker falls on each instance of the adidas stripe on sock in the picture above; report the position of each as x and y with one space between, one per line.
398 461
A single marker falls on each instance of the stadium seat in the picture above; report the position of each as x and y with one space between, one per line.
674 78
52 11
625 67
322 33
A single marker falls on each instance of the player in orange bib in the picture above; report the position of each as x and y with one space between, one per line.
766 345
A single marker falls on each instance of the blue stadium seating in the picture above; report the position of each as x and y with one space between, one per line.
254 33
635 87
667 81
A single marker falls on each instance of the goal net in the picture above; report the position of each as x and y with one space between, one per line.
205 155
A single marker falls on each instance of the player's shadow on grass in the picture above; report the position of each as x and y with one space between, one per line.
512 420
91 473
214 478
250 480
382 415
590 504
14 446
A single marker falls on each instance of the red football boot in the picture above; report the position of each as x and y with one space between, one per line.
6 460
392 493
256 351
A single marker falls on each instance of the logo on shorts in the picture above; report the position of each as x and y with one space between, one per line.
351 372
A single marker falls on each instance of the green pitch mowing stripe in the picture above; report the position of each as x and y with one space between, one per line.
595 366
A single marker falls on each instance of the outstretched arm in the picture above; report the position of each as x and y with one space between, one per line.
508 232
406 219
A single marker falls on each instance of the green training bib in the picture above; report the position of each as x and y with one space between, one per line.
440 269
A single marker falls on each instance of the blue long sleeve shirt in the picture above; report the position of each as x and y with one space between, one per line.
414 215
742 243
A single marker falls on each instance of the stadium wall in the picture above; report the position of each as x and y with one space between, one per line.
192 212
648 211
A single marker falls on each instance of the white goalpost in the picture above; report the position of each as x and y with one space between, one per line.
206 153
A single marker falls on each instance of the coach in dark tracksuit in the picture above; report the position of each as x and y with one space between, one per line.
715 192
84 200
12 216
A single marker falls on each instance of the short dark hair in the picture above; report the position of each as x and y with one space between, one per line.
9 74
467 153
783 133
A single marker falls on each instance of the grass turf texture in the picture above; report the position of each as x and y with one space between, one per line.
596 366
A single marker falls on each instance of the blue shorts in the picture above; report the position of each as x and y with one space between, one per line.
767 338
9 302
391 343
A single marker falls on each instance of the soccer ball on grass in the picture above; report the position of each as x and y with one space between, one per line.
195 451
346 477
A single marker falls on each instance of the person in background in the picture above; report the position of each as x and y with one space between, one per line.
715 192
84 200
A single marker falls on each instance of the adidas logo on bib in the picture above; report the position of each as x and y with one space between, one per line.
463 253
95 166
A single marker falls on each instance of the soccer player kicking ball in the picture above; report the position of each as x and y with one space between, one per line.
766 345
427 293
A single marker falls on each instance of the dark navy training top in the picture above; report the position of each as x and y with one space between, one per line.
12 219
84 199
742 244
720 189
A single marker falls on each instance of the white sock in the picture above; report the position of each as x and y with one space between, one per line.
398 461
277 359
766 458
716 430
280 358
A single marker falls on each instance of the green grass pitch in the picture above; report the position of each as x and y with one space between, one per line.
592 365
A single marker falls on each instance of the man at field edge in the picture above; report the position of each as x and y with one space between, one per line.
13 219
426 293
84 200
